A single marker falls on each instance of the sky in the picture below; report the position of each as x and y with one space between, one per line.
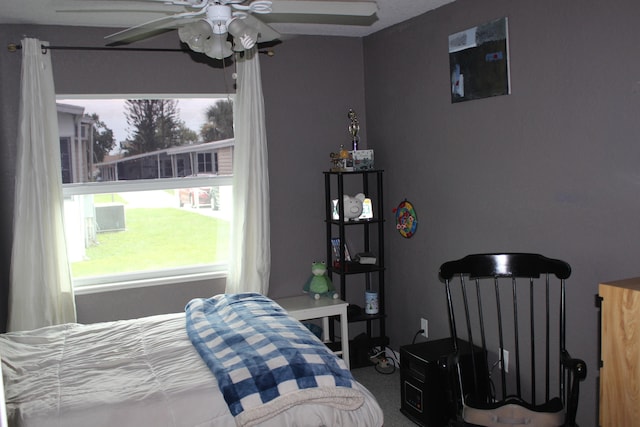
111 112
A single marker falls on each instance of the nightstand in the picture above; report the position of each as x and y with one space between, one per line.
304 307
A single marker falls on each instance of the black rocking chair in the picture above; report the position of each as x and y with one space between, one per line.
511 308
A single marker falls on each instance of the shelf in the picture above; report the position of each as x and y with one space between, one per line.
355 268
366 317
353 172
365 342
371 239
363 317
356 221
360 346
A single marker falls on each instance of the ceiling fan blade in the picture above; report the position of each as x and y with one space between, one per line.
265 32
150 28
90 4
309 7
117 6
119 10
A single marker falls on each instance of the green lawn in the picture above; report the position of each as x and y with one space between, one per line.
154 239
109 198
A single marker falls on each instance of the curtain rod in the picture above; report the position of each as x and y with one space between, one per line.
13 47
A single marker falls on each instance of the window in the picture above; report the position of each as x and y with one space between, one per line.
140 212
65 153
204 162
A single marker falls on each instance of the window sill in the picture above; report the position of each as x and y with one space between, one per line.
141 283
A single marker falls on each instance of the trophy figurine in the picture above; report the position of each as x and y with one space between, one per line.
354 128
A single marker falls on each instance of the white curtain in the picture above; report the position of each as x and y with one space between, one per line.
250 264
40 293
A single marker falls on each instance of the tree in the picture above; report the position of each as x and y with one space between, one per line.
103 140
187 136
155 125
219 123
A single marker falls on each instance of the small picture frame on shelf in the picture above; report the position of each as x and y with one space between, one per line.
335 244
362 159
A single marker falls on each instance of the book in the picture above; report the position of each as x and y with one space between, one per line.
335 244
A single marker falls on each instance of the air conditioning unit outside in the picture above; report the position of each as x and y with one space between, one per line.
110 217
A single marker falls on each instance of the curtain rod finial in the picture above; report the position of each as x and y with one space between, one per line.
12 47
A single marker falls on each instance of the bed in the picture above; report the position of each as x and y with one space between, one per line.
152 372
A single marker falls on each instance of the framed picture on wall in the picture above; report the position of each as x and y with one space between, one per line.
479 61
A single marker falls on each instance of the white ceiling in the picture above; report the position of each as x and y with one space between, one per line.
96 13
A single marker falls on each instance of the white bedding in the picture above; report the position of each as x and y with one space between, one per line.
142 372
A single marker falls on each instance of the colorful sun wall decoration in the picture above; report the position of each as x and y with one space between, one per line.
406 219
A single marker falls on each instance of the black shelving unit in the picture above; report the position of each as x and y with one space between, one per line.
370 236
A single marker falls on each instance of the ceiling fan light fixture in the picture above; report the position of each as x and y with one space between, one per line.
242 33
218 17
237 45
195 34
217 47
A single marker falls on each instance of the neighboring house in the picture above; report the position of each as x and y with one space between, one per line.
76 142
210 157
78 165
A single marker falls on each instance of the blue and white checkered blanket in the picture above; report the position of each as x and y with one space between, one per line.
264 360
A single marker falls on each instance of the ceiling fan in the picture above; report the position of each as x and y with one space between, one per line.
207 25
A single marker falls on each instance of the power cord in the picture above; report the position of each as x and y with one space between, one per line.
421 331
383 364
395 361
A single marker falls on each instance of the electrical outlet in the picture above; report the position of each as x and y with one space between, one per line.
424 325
505 359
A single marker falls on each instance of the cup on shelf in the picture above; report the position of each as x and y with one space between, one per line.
371 302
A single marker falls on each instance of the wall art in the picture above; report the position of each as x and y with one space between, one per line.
479 62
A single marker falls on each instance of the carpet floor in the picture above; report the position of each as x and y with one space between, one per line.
386 389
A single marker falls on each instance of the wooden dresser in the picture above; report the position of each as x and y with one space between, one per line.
620 353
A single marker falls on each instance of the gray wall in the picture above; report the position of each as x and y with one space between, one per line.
551 168
140 302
